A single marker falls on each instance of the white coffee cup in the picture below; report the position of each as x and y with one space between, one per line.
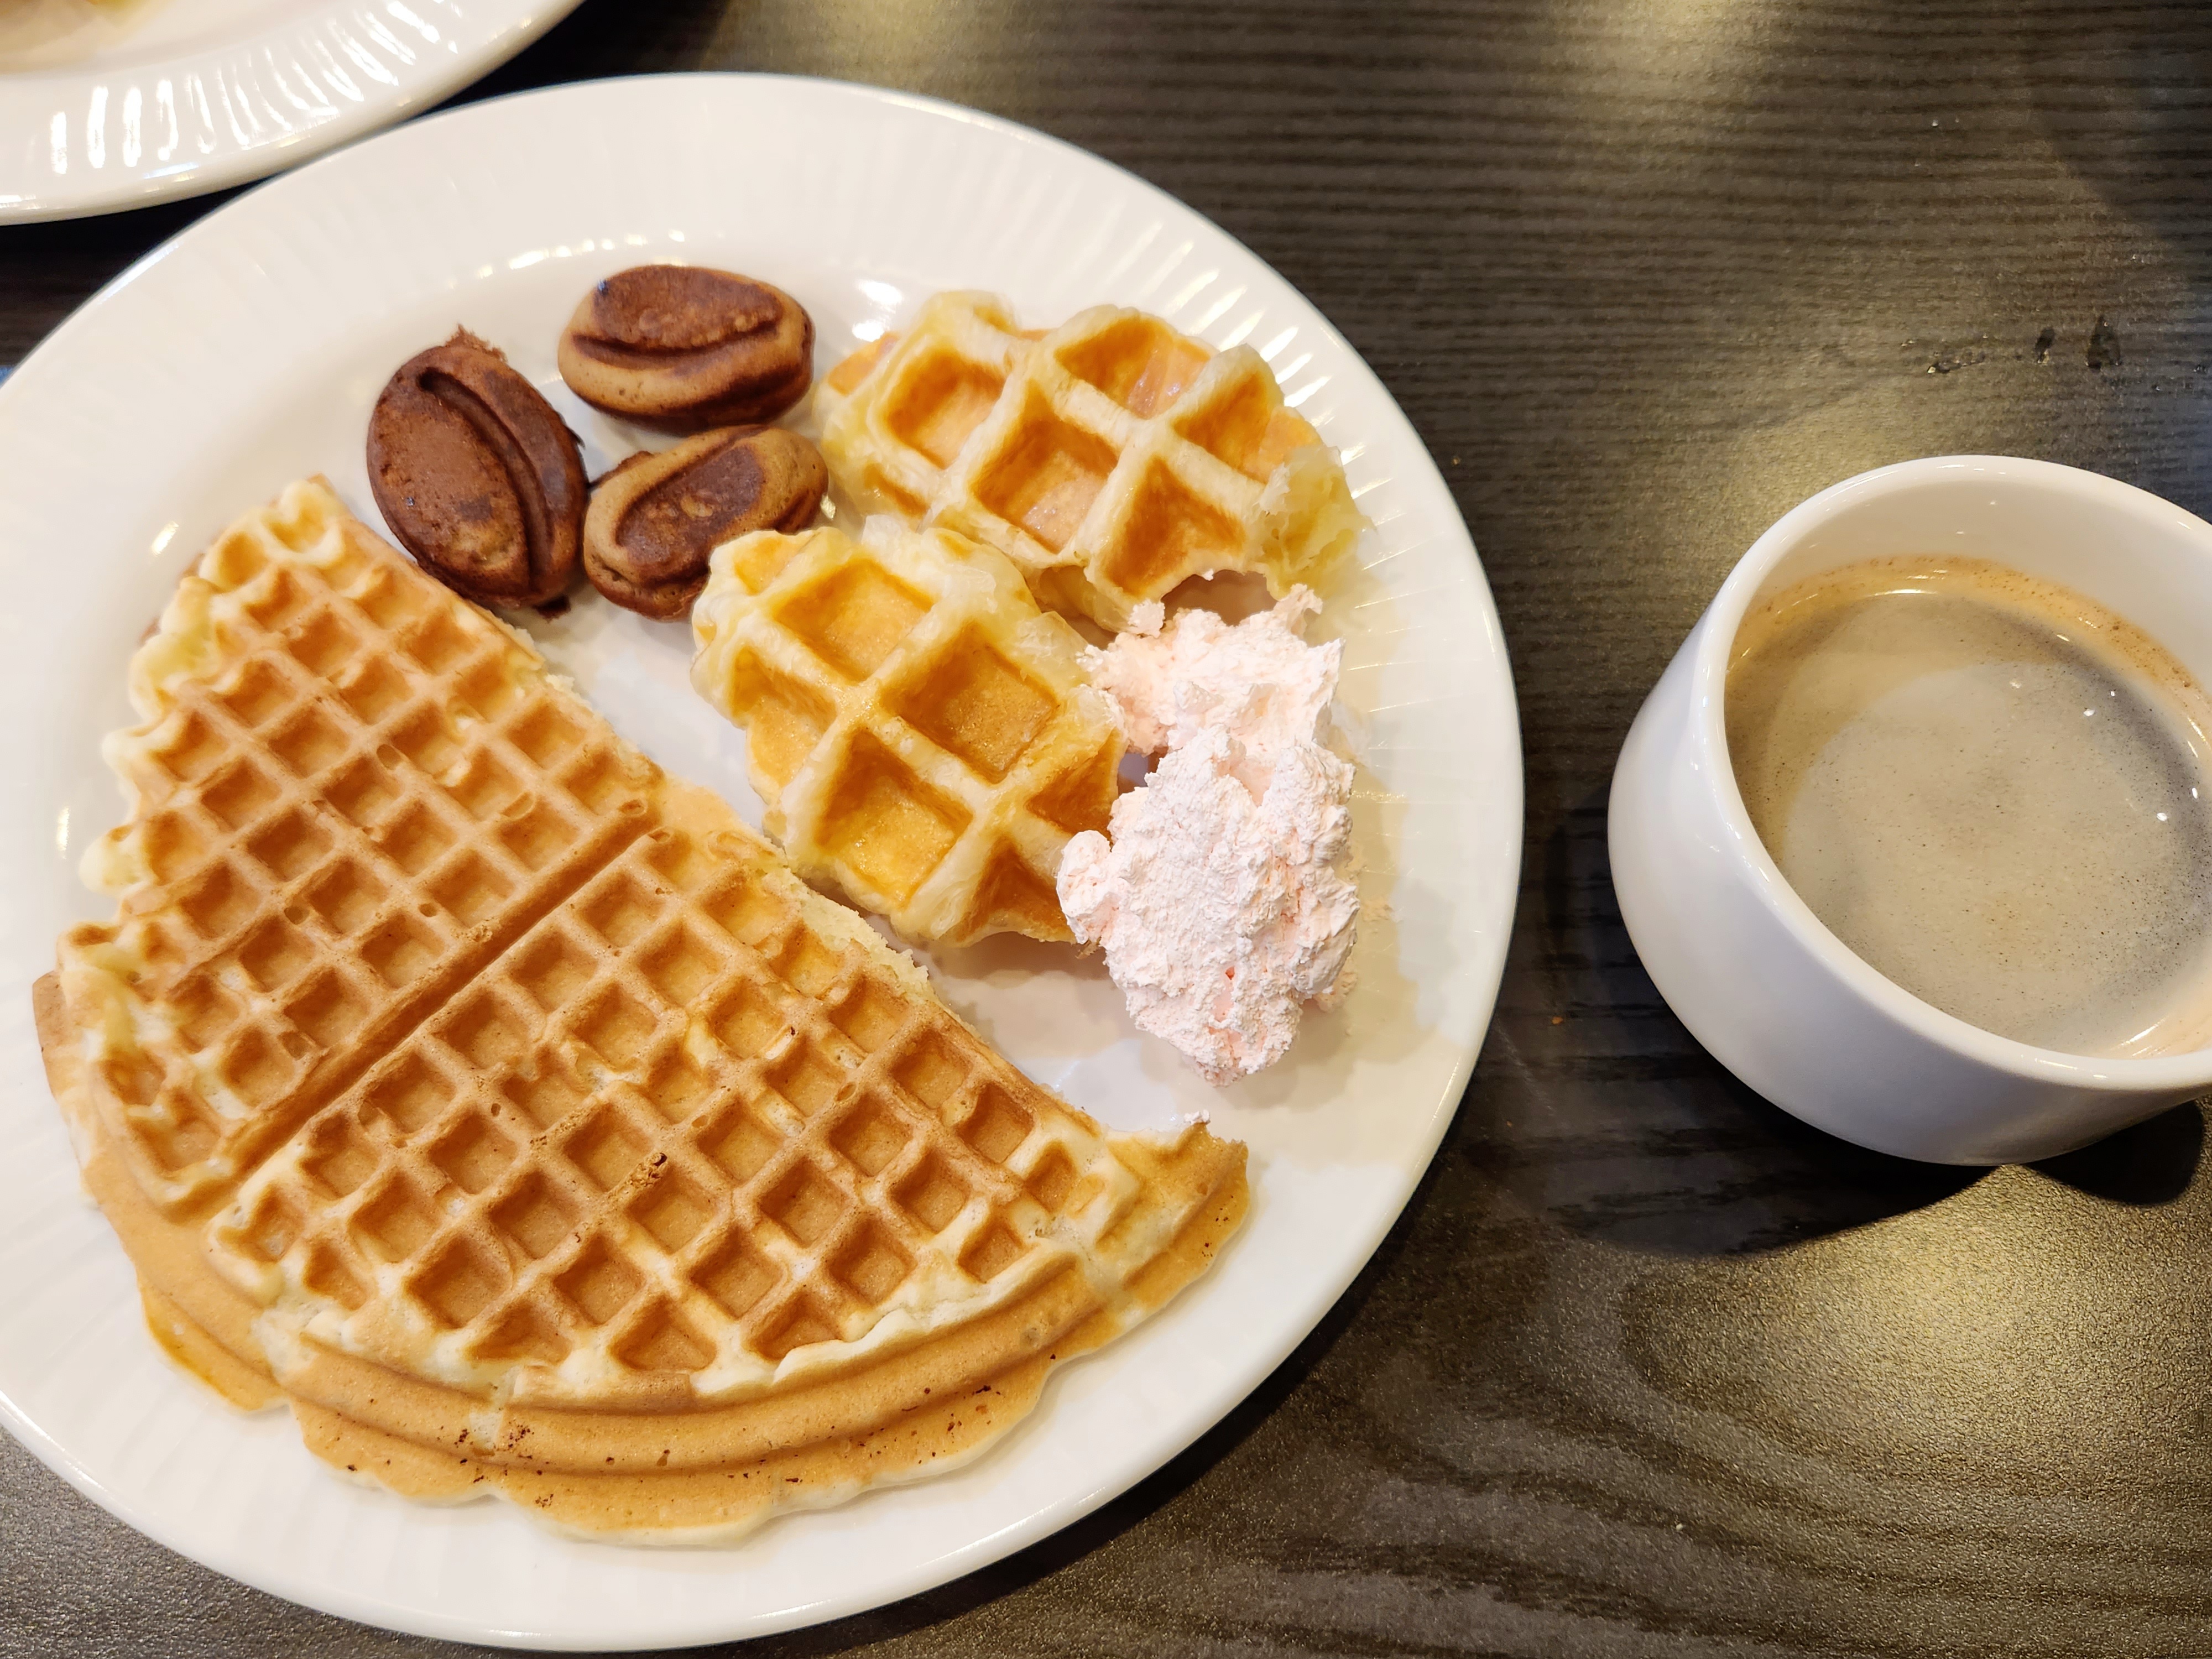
1751 971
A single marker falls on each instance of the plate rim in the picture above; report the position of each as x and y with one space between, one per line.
1318 1299
33 97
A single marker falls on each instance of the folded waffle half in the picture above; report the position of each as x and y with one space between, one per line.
1110 459
924 736
507 1107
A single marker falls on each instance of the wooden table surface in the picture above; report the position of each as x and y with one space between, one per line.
1647 1368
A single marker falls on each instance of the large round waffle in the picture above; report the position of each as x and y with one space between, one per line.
509 1108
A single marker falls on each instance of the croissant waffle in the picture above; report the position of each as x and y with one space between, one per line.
507 1108
1110 459
924 736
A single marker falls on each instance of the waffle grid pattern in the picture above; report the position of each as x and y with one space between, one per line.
651 1152
333 832
678 1128
1111 459
924 737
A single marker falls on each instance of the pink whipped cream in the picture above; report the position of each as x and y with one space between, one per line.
1218 892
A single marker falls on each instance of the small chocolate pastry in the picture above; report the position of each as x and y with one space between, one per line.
680 347
478 476
655 519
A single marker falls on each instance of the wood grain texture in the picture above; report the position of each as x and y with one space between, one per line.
1648 1369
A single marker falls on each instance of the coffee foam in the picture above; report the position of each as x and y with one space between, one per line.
1993 790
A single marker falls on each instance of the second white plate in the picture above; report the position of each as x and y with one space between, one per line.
248 352
119 104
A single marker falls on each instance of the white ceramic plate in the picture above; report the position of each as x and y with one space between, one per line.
107 104
248 351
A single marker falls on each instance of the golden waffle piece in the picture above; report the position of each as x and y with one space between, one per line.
924 737
511 1111
1110 459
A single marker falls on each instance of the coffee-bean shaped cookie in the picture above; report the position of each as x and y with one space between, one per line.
655 519
478 476
681 348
